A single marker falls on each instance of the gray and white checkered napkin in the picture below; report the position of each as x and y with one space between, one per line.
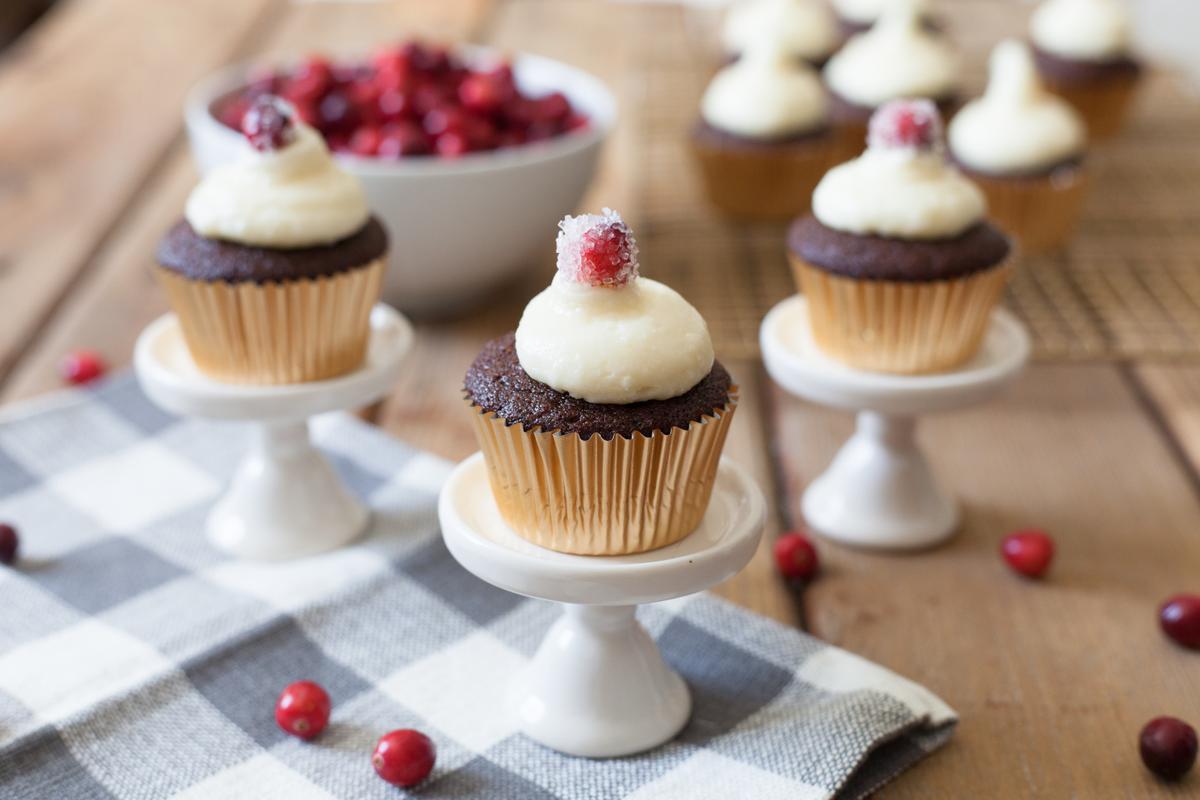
138 662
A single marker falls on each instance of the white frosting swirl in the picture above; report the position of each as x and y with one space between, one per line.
867 11
896 58
288 198
1092 30
803 28
765 94
1017 125
604 345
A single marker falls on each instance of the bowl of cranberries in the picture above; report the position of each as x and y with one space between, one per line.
467 155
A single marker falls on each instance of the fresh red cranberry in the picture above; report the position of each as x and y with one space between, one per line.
404 757
452 144
551 108
511 138
480 131
906 123
796 556
311 80
268 124
575 122
396 104
303 709
9 543
1179 617
1028 552
484 92
365 141
83 366
1168 747
403 139
443 119
335 113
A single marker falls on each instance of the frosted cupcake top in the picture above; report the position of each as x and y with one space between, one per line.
865 12
896 58
1017 126
765 94
902 186
603 334
285 192
805 29
1088 30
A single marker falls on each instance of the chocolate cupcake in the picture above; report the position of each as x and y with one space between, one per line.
898 265
1024 147
803 29
602 417
763 137
275 267
1082 49
897 58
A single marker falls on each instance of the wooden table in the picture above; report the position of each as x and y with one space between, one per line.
1053 680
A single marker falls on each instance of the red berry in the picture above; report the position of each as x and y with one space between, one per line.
484 92
1028 552
1180 619
268 124
597 249
906 123
796 556
365 141
311 80
403 139
336 114
83 366
9 543
551 108
396 104
452 144
303 709
1168 747
404 757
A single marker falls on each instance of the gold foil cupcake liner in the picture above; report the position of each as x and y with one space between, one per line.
293 331
599 496
764 183
1041 213
1104 104
907 327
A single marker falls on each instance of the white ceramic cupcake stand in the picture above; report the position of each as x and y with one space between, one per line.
879 491
597 685
285 500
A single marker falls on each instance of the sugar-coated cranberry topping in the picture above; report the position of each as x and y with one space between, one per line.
796 556
1168 747
1179 617
303 709
1028 552
404 757
597 249
906 123
9 543
267 123
82 366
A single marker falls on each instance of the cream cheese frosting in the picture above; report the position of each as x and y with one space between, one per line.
288 198
1091 30
765 94
867 11
804 28
1017 125
896 58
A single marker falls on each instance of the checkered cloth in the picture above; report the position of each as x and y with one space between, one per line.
138 662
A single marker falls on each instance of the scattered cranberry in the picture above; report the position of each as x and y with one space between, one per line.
9 543
303 709
1168 747
268 123
906 123
1028 552
1180 619
404 757
83 366
796 556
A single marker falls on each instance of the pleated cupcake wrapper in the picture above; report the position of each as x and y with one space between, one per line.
1041 213
1103 104
906 327
293 331
764 183
602 497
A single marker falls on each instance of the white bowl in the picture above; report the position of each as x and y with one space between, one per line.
458 227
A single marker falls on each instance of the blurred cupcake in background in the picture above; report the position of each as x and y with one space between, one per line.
857 16
900 269
763 139
897 58
805 29
1024 146
1083 52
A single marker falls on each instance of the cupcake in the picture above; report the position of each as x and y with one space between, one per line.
900 269
1082 49
897 58
804 29
1024 147
857 16
602 417
277 262
763 138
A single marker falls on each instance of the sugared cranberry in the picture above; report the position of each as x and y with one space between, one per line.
906 123
1180 619
404 757
83 366
1168 747
9 543
268 123
597 249
1028 552
796 556
303 709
